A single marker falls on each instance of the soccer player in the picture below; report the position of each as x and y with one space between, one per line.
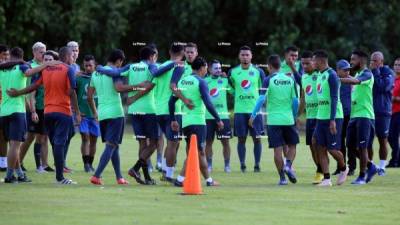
35 115
89 127
291 54
4 57
329 119
59 93
280 93
110 114
247 80
219 86
14 76
162 92
144 121
194 120
382 98
75 50
394 131
360 131
343 70
309 101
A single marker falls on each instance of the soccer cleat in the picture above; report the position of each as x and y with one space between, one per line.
359 181
169 180
350 173
392 164
342 176
122 181
66 181
257 169
290 174
318 178
3 169
49 169
10 180
23 167
381 172
96 180
159 167
371 172
283 182
41 170
67 170
243 168
150 182
227 169
212 184
86 168
136 176
178 183
24 179
325 183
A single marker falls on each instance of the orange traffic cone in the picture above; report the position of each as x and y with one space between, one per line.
192 182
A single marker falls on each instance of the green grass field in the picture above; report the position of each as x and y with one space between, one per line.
241 199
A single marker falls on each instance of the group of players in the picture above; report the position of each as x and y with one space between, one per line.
186 95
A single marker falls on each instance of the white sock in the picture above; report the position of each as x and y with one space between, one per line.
3 162
164 164
209 180
382 164
180 178
169 172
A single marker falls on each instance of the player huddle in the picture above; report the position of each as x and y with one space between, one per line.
186 95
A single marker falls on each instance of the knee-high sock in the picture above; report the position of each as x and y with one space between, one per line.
257 153
104 159
241 148
116 163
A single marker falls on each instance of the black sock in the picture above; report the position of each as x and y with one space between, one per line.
36 152
319 169
362 174
138 164
342 169
369 164
327 176
84 159
145 169
90 159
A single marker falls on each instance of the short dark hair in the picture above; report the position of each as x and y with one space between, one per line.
152 46
52 53
3 48
146 52
360 53
214 61
64 51
291 48
245 48
306 54
320 53
115 55
176 48
198 63
88 58
17 52
191 45
274 61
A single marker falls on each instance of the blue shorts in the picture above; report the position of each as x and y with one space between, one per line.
382 124
14 127
89 126
112 130
311 124
145 126
360 133
280 135
59 127
324 137
242 128
37 128
212 129
165 126
198 130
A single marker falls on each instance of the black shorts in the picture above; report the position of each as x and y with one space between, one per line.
14 127
37 128
112 130
212 129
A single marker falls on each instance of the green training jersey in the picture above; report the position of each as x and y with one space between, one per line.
109 100
190 88
218 87
247 83
281 91
39 95
13 78
324 82
138 73
309 86
82 84
162 92
361 96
